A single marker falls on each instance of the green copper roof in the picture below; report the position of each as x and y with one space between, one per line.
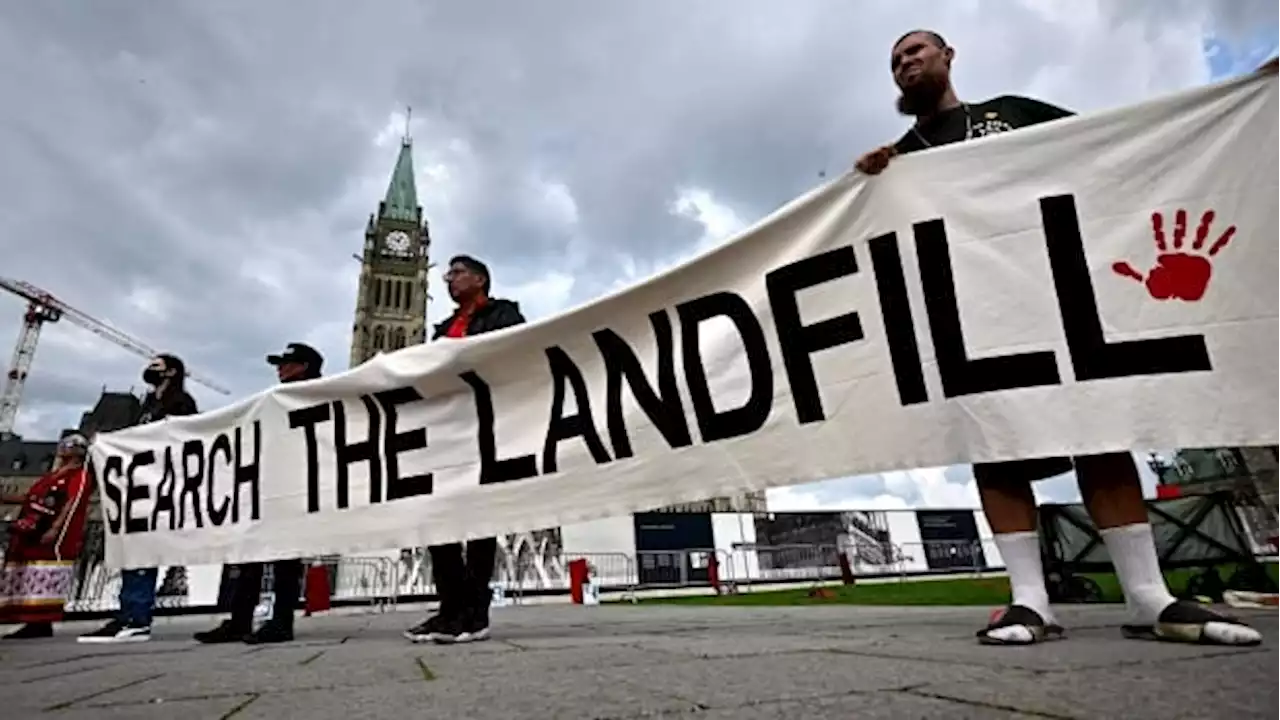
401 202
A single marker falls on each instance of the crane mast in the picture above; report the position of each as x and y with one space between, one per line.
43 307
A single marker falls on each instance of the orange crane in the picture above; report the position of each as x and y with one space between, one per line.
43 307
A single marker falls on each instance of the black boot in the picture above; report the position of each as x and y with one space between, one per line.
272 631
476 623
31 631
227 632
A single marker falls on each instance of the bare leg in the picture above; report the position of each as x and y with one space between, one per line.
1007 501
1112 492
1111 489
1010 507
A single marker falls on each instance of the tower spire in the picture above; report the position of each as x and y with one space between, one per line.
408 118
401 202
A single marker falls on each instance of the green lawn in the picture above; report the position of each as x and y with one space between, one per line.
991 592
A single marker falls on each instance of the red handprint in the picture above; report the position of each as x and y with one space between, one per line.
1179 275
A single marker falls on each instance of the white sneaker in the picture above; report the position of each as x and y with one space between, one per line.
117 632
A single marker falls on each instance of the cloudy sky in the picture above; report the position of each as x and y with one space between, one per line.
199 173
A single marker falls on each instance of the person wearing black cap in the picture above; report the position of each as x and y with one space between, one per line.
462 584
298 362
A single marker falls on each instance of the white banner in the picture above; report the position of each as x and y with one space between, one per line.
1100 283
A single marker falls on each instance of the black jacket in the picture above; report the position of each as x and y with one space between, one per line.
493 315
158 407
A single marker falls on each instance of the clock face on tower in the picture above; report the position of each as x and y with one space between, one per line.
397 243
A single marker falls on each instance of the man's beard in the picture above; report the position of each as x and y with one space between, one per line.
922 98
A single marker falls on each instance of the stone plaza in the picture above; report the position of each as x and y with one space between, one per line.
648 660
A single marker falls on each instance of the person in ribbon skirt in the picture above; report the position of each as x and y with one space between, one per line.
921 65
166 374
44 541
462 583
298 362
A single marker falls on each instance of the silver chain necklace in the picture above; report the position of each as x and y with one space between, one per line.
968 127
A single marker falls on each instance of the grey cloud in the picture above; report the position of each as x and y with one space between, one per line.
171 145
958 474
1232 21
68 390
863 487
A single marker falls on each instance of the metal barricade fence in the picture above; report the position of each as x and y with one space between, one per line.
1258 517
609 571
382 581
939 557
95 588
679 568
762 564
374 579
413 574
521 574
759 564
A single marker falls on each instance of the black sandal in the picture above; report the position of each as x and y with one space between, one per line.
1189 622
1020 616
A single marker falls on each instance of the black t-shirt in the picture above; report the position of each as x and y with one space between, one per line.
1001 114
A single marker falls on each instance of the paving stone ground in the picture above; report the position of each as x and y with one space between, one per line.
642 661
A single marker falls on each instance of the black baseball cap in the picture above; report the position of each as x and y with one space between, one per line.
298 353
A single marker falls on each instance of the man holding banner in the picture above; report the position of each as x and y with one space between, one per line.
462 584
298 362
1109 483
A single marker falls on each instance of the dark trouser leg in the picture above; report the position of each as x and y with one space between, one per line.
245 597
287 586
448 573
138 596
480 557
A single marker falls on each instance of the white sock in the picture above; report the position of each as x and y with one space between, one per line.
1021 553
1133 552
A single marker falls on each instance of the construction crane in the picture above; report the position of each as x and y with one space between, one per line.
43 307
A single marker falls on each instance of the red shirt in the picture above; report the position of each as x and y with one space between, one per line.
458 328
